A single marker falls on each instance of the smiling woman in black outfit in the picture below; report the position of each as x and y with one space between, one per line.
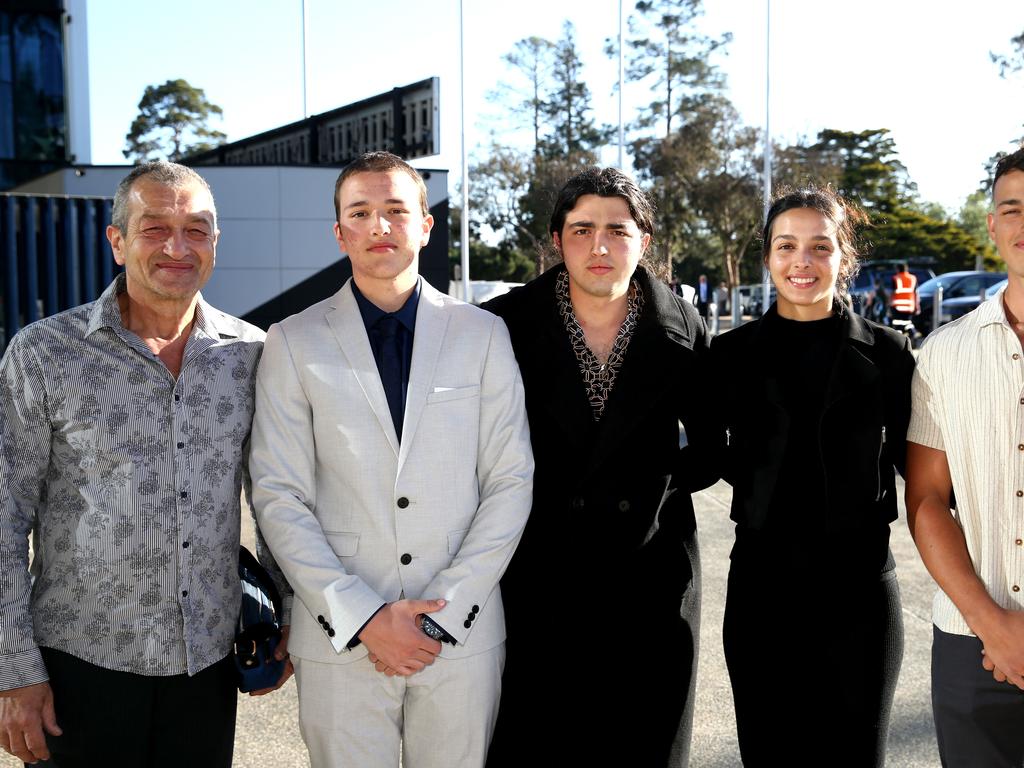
812 419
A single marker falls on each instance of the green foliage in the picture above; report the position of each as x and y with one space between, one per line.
1012 62
665 44
906 233
567 108
173 122
869 171
487 262
973 219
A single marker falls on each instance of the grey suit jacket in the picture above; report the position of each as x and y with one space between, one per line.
356 520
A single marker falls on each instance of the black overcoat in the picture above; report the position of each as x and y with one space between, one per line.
602 595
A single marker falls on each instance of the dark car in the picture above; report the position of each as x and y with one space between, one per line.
953 309
873 284
956 286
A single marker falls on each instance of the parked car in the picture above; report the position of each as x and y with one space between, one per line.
956 286
953 309
873 285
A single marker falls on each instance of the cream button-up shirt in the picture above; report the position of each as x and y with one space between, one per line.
968 400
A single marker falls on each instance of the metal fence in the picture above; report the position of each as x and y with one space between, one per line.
55 256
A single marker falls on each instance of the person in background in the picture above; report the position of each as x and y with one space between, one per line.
703 297
602 598
965 434
812 409
124 436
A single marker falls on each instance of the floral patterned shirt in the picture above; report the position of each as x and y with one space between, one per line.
130 483
598 377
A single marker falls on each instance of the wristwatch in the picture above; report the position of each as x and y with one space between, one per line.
430 629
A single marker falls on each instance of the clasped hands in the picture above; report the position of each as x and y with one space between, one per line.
1003 648
395 641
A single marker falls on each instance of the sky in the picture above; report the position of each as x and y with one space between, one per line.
920 68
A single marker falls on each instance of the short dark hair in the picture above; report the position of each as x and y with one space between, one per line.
173 175
846 216
604 182
1011 162
379 162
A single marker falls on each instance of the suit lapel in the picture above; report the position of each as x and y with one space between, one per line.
431 325
347 326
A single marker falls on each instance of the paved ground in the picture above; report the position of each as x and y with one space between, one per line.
268 734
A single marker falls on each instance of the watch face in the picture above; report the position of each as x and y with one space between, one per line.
431 629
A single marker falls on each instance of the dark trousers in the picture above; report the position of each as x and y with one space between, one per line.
813 676
114 719
979 722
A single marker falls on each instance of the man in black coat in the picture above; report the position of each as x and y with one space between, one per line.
602 598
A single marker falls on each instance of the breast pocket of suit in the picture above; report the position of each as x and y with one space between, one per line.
452 394
344 544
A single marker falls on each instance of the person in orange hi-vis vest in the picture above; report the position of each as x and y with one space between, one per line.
904 302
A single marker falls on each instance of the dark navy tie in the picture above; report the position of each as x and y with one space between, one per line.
391 369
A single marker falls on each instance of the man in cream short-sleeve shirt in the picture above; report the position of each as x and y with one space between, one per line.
966 438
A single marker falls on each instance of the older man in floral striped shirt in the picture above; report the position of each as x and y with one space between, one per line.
124 429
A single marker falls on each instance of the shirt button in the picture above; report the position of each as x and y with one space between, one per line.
177 397
1016 588
405 559
184 593
184 545
1018 542
1019 494
181 445
402 502
1016 356
184 494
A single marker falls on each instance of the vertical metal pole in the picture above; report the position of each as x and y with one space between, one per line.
106 256
12 288
28 229
72 270
88 240
51 304
622 132
305 112
766 275
467 289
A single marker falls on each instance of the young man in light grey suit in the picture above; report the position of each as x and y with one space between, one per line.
392 479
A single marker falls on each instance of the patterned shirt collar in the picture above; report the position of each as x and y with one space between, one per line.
106 313
598 378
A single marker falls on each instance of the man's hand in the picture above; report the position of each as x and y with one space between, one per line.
24 713
1002 639
395 641
280 653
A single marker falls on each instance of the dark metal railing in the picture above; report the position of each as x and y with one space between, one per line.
55 256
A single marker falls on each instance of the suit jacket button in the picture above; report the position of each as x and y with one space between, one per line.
320 619
623 506
577 503
470 616
330 633
467 624
406 559
475 609
402 502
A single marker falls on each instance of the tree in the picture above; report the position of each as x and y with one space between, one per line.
486 262
531 60
172 123
665 44
1013 62
870 172
567 107
973 219
908 234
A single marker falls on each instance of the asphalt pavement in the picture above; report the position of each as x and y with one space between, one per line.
267 733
